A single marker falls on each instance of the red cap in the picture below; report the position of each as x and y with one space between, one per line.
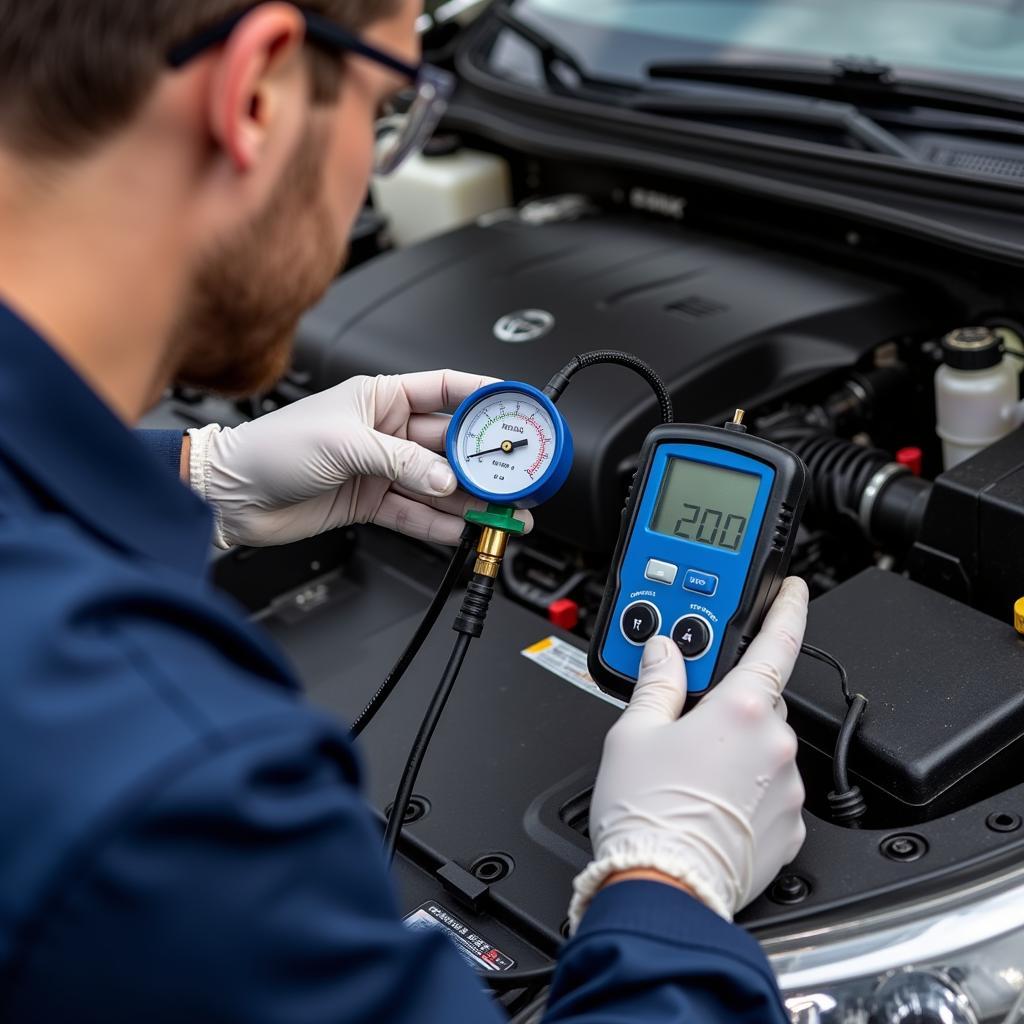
565 613
912 458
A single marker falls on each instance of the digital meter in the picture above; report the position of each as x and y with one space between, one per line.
509 445
706 539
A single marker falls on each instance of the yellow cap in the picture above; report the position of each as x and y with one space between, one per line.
1018 616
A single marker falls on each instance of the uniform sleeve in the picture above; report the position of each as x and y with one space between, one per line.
250 888
247 885
164 446
649 953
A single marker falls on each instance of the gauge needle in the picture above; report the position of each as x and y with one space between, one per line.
505 446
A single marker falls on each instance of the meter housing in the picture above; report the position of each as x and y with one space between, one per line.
724 577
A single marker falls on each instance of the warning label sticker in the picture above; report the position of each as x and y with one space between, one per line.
473 948
570 663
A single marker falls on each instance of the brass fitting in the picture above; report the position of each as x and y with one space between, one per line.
490 552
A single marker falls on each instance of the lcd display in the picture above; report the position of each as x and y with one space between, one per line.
705 504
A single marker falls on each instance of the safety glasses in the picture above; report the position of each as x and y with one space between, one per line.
403 134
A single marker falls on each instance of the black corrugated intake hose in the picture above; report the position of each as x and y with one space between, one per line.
860 484
839 471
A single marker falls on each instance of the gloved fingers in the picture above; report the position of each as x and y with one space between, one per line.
428 430
309 518
768 662
414 519
458 504
437 390
403 462
781 710
779 823
661 685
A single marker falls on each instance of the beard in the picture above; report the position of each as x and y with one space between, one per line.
237 332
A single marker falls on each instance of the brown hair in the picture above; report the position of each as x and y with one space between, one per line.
74 71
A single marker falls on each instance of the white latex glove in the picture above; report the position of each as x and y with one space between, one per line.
712 799
362 452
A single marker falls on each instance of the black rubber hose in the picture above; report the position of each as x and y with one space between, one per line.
840 761
846 802
833 662
560 381
419 747
469 624
430 617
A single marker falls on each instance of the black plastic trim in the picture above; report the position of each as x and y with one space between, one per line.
563 127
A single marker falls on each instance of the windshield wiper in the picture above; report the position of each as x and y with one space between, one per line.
818 113
853 79
551 54
777 106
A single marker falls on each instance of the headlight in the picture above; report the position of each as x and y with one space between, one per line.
953 959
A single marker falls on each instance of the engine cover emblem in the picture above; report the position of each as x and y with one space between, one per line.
526 325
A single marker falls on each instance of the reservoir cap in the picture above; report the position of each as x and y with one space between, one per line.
1018 616
972 348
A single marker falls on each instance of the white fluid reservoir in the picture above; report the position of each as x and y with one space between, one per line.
444 188
977 394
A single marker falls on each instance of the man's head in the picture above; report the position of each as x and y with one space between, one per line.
267 148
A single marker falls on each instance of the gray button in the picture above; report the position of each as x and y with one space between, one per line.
661 572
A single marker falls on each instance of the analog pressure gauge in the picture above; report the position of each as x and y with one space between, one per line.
509 445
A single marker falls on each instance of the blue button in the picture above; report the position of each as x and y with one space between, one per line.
700 582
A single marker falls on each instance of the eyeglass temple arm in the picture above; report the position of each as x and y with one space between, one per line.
319 30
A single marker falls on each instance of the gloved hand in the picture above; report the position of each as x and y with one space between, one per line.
362 452
712 799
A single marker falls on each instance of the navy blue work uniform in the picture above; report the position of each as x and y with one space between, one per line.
182 837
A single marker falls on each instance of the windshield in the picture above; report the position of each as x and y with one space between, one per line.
980 40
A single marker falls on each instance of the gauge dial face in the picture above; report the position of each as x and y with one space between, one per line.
506 443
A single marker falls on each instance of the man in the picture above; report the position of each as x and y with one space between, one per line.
183 838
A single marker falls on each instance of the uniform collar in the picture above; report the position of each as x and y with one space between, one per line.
62 437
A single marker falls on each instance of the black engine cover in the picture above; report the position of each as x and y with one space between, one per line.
724 323
945 719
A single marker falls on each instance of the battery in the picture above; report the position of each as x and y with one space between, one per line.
943 681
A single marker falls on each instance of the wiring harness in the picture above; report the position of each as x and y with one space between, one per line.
846 802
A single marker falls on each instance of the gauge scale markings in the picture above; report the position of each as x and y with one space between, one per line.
502 430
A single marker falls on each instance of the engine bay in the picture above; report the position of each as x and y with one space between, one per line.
914 568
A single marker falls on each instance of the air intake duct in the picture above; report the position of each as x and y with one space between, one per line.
862 485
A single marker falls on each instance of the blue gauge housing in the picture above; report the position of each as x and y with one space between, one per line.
548 484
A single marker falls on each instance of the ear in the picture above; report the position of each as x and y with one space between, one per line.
254 80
